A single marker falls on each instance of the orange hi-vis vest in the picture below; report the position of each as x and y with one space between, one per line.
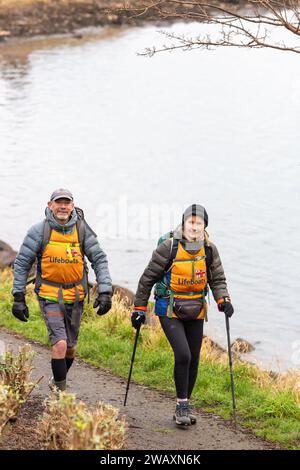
187 278
62 277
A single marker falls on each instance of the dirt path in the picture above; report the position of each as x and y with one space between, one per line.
148 412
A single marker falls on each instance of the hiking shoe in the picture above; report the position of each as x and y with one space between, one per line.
51 384
55 386
192 415
181 416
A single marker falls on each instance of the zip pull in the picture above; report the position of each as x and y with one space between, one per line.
69 252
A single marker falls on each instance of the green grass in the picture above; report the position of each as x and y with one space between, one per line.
269 411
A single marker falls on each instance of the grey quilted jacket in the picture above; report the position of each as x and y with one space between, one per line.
31 250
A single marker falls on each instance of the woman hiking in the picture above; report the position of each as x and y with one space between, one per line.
183 265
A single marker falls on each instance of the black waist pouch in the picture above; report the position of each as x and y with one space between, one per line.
187 309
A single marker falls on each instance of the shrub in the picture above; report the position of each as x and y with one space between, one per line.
69 425
15 383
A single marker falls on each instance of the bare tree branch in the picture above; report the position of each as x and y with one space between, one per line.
237 28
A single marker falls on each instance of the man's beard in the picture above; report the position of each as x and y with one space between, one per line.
62 217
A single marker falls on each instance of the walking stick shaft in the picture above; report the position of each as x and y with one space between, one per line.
230 368
132 361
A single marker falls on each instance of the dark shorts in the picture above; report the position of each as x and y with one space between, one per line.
61 326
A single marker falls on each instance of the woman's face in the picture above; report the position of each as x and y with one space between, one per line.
193 228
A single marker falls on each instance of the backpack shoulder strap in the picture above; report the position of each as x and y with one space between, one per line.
208 254
173 252
46 235
165 237
80 225
174 247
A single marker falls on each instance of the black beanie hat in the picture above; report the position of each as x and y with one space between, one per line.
195 209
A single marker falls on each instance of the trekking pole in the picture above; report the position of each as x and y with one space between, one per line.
132 360
230 368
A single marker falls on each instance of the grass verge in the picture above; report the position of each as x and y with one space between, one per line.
267 403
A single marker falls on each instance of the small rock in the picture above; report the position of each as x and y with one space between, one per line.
7 255
114 19
4 35
242 346
125 294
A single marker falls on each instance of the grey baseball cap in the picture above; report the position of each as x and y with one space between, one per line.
61 194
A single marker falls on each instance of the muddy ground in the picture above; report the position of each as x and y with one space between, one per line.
148 412
26 18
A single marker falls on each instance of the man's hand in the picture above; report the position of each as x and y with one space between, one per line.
137 318
19 308
103 301
225 305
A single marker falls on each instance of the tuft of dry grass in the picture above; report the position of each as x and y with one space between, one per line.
8 404
288 381
69 425
15 383
211 352
15 369
119 314
6 275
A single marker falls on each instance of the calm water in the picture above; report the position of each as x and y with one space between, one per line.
138 139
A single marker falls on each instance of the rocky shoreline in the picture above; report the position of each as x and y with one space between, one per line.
28 18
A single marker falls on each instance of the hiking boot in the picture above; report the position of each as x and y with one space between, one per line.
55 386
192 415
181 416
51 384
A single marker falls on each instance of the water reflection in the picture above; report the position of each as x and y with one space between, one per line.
219 128
15 56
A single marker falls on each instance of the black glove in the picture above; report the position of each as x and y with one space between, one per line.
103 301
137 318
226 307
19 308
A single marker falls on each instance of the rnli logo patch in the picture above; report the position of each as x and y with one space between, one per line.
74 252
200 273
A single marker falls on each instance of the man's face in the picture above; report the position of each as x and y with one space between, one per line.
194 228
61 209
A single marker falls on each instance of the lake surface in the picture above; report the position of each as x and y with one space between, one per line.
138 139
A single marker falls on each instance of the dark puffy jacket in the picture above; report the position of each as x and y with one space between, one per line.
155 271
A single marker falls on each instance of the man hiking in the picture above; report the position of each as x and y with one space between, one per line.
183 265
60 244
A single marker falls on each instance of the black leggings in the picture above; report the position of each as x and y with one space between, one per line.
185 339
